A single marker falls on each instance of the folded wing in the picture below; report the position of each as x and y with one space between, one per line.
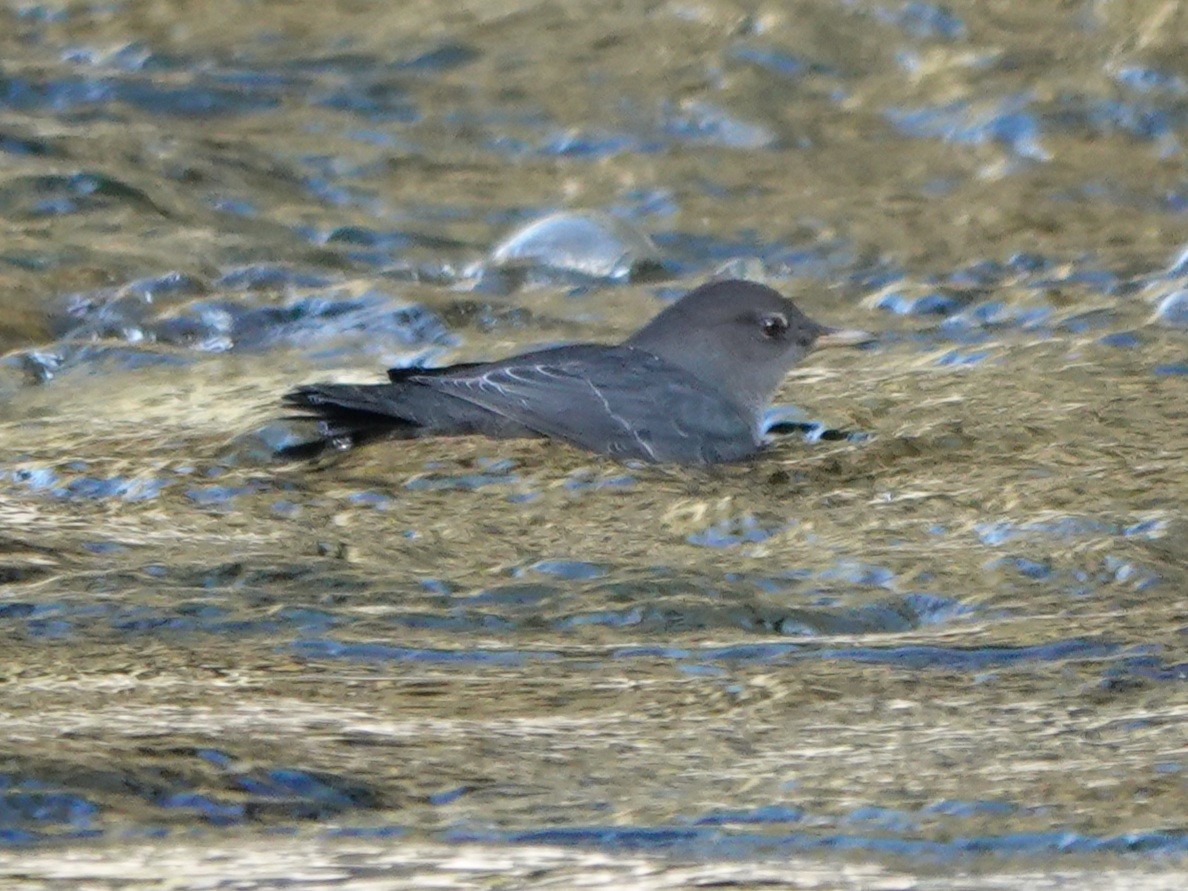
620 401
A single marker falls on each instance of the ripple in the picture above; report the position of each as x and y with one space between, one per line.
27 146
570 570
211 94
380 99
587 242
1009 122
734 531
1172 310
923 20
778 61
1144 79
270 277
933 303
714 842
376 652
32 811
699 122
62 194
156 311
772 813
50 482
1002 531
974 659
460 482
209 785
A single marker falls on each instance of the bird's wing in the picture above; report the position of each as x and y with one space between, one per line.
621 401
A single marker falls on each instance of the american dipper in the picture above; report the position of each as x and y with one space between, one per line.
690 387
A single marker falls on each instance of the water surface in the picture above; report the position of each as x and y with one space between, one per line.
934 637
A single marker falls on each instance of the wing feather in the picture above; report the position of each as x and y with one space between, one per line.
617 400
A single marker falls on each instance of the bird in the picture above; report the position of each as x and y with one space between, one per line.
689 387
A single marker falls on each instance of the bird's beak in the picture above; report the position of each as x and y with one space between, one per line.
835 337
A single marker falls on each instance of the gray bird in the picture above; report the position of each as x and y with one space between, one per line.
689 387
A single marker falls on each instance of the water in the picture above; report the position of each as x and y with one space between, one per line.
934 637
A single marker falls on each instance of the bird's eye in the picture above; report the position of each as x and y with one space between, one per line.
773 325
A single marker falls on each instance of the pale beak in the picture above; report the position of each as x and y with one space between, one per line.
841 337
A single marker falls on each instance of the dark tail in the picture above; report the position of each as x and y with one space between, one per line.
347 415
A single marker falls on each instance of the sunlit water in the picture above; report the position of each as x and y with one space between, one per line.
934 637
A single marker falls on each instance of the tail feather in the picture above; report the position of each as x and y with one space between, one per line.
347 415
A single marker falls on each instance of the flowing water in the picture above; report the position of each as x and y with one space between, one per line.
934 637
